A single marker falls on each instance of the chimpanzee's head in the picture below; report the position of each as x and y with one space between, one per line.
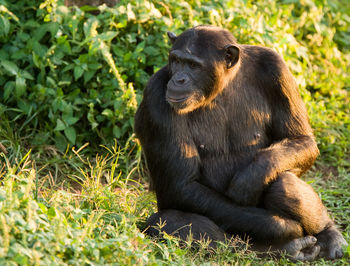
201 62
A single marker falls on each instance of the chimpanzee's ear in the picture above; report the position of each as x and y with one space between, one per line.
232 55
172 36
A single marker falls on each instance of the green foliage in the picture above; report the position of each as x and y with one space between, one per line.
58 70
101 220
58 230
97 225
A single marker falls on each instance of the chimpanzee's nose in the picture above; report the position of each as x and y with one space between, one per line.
181 79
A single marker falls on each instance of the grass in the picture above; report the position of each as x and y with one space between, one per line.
96 214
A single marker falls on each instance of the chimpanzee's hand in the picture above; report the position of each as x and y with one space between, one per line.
303 249
248 184
242 192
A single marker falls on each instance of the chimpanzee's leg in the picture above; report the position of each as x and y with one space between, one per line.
182 224
293 198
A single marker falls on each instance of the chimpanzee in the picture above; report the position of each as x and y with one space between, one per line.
226 136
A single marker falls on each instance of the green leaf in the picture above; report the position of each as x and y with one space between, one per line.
39 49
8 89
36 59
42 207
10 67
78 71
69 67
70 134
108 113
88 75
24 105
127 56
53 28
122 24
91 117
107 36
61 141
117 132
150 50
31 24
26 75
20 86
70 120
94 66
140 47
4 26
51 212
20 259
59 125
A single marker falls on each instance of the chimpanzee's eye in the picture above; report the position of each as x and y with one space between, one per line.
193 65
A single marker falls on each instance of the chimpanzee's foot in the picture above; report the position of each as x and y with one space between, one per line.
304 248
331 242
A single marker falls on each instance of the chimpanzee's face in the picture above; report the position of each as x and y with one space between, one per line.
198 63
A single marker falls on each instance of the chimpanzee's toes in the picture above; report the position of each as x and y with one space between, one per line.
332 243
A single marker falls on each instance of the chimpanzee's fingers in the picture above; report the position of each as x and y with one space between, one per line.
296 245
306 242
309 254
303 249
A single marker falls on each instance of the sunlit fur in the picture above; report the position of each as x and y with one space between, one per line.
195 101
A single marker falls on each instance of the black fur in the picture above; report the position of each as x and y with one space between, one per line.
226 135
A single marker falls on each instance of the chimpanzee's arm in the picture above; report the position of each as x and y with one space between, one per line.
295 154
294 147
174 169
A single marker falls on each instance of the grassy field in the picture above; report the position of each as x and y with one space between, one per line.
73 187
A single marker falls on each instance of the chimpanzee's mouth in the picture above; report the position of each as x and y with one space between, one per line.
176 100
